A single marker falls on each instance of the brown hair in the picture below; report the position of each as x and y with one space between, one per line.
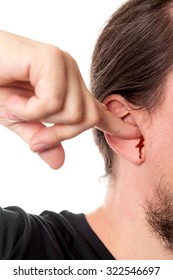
132 58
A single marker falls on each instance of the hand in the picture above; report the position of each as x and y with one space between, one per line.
42 84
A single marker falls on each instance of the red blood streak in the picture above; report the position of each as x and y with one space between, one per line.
140 145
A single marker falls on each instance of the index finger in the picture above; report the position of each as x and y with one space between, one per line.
111 124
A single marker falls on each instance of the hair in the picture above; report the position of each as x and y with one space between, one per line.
133 57
159 213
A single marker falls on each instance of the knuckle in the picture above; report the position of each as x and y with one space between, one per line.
75 117
55 52
51 106
69 57
70 60
50 53
54 56
43 110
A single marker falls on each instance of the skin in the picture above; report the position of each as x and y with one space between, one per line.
40 83
127 232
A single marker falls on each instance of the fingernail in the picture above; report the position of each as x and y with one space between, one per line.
37 148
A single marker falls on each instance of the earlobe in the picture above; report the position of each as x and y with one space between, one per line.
132 150
140 146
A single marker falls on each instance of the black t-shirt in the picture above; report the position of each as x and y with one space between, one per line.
49 236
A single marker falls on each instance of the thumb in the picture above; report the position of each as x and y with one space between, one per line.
54 157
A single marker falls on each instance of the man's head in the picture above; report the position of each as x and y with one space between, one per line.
132 73
132 59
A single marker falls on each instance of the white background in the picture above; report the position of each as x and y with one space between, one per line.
25 180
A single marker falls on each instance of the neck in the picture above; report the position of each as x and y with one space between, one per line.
126 232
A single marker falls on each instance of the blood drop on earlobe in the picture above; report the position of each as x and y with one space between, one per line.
140 145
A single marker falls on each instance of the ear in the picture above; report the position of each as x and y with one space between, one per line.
132 150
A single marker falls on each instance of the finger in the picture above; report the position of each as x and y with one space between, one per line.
5 93
50 137
111 124
47 76
53 157
73 108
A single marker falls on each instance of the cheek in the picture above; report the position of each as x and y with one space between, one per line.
159 150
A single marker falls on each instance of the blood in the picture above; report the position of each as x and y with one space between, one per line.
140 145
